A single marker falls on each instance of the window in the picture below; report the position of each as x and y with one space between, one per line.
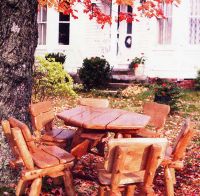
42 25
194 22
64 25
165 25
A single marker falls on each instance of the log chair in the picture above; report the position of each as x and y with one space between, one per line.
42 117
174 157
158 113
16 161
40 161
131 162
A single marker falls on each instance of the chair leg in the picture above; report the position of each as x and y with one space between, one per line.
36 187
172 170
147 190
68 181
20 187
76 138
102 191
168 182
130 189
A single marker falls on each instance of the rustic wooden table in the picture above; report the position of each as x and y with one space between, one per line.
104 119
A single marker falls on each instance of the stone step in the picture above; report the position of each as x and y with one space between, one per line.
121 71
123 78
118 85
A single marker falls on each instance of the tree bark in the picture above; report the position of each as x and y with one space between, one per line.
18 40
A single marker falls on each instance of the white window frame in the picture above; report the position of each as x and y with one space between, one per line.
63 22
42 21
194 22
165 25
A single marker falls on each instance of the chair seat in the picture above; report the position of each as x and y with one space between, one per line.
143 132
126 178
92 136
49 156
44 160
62 155
58 135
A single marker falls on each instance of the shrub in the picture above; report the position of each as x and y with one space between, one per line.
57 57
167 92
95 73
50 79
197 81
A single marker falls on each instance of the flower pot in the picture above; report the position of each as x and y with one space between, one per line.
139 70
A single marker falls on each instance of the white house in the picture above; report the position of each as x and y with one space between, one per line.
171 46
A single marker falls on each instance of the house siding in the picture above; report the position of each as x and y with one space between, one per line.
176 60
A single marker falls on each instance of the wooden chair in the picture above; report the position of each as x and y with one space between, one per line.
131 162
83 141
174 157
158 113
16 161
42 117
40 161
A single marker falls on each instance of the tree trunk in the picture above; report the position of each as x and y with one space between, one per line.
18 40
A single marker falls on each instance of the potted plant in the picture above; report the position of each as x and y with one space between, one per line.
137 65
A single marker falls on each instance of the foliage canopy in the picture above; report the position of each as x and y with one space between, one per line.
147 8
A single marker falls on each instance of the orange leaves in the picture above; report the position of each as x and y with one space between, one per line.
42 2
147 8
49 3
95 12
125 2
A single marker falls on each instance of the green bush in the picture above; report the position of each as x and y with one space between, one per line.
169 93
58 57
95 73
197 81
50 79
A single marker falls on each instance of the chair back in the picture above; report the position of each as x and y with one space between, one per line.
137 152
22 148
158 113
25 131
7 132
42 115
182 140
100 103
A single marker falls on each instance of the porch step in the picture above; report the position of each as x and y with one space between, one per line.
123 78
118 85
122 71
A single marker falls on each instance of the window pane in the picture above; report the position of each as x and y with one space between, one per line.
42 34
42 25
165 25
44 14
63 33
39 15
63 17
194 22
194 30
39 34
44 30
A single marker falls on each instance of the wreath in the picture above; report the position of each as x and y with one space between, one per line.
128 41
